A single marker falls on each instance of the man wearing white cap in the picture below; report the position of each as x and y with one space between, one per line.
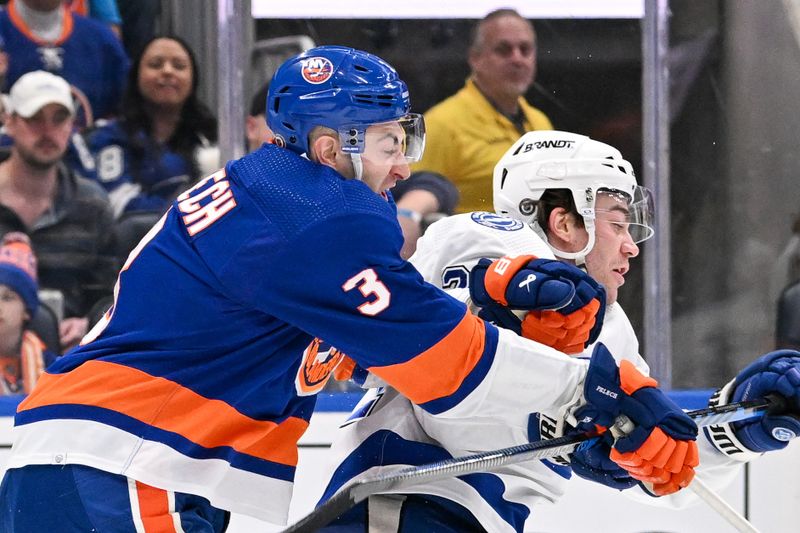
36 89
67 217
44 143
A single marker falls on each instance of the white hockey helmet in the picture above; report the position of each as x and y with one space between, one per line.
542 160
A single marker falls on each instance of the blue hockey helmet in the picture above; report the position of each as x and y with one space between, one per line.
344 89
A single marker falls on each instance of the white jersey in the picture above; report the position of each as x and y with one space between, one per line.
386 431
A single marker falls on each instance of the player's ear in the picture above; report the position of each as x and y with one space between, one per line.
325 150
562 229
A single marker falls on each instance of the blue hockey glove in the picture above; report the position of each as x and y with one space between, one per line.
660 448
566 306
776 373
591 461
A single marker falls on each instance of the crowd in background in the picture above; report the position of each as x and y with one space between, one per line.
103 128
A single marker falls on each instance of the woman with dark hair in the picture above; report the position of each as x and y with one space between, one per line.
165 137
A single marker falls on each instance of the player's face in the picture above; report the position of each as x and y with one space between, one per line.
42 139
384 157
609 259
505 64
12 313
165 73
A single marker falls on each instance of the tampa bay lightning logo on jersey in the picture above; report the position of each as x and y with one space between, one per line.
495 221
317 69
365 406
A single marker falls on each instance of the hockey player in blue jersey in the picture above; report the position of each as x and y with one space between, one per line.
557 194
187 399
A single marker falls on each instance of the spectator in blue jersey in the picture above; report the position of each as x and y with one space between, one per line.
68 218
23 355
187 399
46 35
165 137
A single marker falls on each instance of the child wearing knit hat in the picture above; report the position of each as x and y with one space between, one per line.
23 356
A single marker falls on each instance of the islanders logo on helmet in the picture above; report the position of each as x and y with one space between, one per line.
316 69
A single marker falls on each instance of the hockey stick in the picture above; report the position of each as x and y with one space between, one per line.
722 507
360 489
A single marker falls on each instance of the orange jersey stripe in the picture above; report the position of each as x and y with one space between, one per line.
439 371
167 405
154 509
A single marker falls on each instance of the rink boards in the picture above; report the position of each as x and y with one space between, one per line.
769 488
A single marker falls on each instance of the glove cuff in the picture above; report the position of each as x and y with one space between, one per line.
499 274
722 436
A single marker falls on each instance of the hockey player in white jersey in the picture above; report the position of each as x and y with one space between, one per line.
556 194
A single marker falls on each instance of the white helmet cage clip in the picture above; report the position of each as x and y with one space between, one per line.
542 160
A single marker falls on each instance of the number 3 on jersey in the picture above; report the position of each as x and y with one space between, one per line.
370 286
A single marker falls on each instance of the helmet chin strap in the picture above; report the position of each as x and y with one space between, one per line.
358 166
580 256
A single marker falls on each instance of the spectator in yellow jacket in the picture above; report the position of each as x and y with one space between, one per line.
468 132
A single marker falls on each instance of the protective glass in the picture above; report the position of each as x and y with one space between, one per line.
635 214
401 140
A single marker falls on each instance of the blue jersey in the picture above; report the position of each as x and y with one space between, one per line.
87 54
201 377
148 182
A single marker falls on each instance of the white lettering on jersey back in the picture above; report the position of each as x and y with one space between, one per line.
202 207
